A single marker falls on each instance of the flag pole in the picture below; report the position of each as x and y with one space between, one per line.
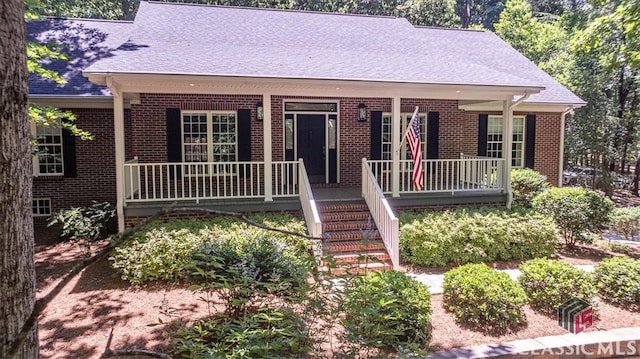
404 137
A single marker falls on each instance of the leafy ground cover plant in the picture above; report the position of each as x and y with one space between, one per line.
550 283
483 298
526 184
387 310
618 281
472 236
90 222
626 221
576 211
265 333
241 270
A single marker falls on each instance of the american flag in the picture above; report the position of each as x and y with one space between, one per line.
413 139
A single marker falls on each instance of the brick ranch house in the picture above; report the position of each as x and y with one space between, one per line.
262 109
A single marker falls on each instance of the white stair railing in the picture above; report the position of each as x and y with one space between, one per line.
309 208
386 222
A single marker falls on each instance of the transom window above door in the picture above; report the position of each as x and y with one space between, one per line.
209 136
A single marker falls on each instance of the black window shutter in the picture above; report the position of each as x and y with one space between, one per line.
69 154
433 135
376 135
174 138
244 137
483 121
530 142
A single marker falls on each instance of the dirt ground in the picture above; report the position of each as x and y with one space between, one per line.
78 321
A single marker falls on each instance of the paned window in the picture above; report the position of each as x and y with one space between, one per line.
41 207
405 153
494 139
49 159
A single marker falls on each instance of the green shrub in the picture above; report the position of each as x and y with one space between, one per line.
439 238
484 298
618 281
576 211
243 269
268 333
90 223
387 310
163 250
549 283
626 221
526 184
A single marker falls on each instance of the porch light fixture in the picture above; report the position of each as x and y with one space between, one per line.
362 113
259 111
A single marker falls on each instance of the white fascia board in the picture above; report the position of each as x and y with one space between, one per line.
70 101
162 83
491 106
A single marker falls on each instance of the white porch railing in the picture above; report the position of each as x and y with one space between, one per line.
311 216
386 222
131 180
446 175
149 182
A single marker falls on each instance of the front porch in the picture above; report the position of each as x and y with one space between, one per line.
446 182
245 187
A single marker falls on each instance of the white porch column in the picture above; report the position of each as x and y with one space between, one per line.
507 153
396 122
266 139
118 126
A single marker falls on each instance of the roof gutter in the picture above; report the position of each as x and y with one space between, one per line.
563 115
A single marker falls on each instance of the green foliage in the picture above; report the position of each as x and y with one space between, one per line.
163 250
526 184
387 310
483 298
618 281
549 283
439 238
540 41
626 221
241 269
267 333
90 223
576 211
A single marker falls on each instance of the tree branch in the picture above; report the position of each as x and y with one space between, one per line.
43 302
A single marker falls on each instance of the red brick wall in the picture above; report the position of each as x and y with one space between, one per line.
95 161
458 129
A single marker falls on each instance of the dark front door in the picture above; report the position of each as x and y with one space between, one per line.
311 145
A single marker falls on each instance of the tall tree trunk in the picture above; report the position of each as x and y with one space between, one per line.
17 275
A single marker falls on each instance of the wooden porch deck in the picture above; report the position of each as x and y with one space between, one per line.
324 195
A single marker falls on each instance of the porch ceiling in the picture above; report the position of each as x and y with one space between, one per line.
162 83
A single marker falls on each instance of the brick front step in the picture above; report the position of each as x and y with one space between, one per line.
351 207
356 258
356 269
344 216
349 236
353 246
349 226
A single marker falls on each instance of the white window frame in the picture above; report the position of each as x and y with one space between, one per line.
404 152
37 157
494 145
36 206
209 140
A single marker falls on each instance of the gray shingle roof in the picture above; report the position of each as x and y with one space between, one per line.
84 42
227 41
